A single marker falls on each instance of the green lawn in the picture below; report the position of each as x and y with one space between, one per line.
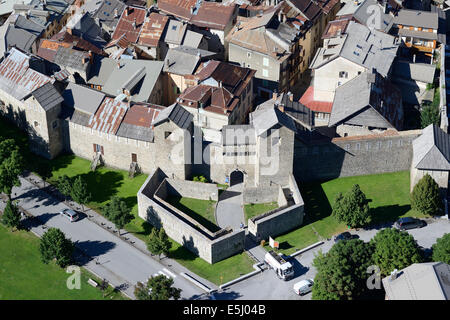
254 209
24 276
388 195
219 272
106 182
200 210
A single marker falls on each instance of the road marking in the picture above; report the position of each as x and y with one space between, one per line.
170 273
165 275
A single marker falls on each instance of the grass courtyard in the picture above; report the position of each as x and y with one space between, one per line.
200 210
254 209
24 276
388 194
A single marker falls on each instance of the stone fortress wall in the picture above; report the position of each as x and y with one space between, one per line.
354 156
153 208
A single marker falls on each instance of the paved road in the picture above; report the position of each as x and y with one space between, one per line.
113 259
267 286
229 210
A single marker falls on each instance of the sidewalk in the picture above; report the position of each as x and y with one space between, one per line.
125 236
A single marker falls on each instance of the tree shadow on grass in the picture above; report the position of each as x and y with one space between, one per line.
317 206
182 253
102 185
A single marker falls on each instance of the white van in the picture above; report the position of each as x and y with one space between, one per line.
303 287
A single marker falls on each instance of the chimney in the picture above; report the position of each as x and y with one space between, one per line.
116 13
393 275
167 63
126 11
91 57
118 64
281 107
274 95
290 96
192 10
69 30
134 23
220 84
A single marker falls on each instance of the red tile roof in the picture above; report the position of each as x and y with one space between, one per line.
209 15
318 106
109 116
142 115
125 24
152 29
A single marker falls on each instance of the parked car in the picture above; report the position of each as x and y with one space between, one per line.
409 223
345 236
70 214
303 287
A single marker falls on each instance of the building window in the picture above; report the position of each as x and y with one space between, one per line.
36 124
266 62
343 74
265 73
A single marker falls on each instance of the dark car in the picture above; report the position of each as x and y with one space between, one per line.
345 236
409 223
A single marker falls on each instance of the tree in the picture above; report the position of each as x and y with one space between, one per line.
118 212
11 216
79 192
394 249
200 179
10 169
54 245
425 196
429 115
158 242
157 288
441 249
64 184
352 208
342 271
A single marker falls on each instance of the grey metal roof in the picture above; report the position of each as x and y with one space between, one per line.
131 131
233 135
420 281
295 109
68 57
417 18
192 39
82 98
418 34
47 96
369 100
423 72
361 45
175 32
76 116
184 60
107 73
365 12
177 114
265 119
431 151
105 13
369 48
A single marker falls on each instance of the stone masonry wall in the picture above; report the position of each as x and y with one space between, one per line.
182 231
352 156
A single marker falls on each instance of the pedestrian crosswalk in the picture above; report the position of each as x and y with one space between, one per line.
168 274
